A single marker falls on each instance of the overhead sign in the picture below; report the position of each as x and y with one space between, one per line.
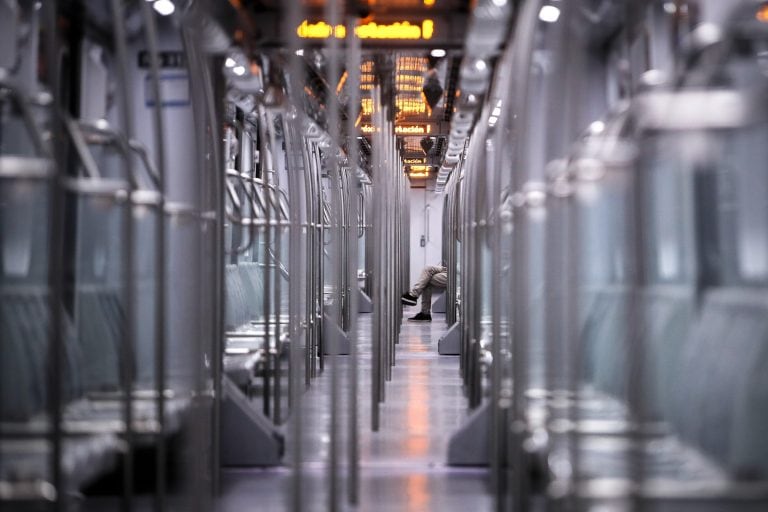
403 129
415 161
397 30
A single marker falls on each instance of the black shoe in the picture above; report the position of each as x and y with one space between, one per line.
421 317
408 299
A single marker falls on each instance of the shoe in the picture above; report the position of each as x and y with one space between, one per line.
408 299
421 317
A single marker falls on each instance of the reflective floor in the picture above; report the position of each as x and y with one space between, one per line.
403 465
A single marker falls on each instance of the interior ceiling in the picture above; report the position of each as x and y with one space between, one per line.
411 110
409 66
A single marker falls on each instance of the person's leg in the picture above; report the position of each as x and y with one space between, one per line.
425 279
438 280
410 298
426 300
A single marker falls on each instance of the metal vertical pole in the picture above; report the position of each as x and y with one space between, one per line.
636 334
213 93
295 151
524 39
128 338
334 16
55 258
498 407
377 233
271 271
267 163
160 254
353 88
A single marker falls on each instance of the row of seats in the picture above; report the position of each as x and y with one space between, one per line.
703 369
90 383
244 295
244 321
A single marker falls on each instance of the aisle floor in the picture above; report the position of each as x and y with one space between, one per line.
403 465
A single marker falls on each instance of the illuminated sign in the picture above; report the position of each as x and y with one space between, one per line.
414 160
762 14
420 168
371 30
419 175
403 129
413 129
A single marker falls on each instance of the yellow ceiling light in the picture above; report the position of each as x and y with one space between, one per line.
410 63
342 80
762 14
398 30
429 3
409 82
413 144
366 105
410 105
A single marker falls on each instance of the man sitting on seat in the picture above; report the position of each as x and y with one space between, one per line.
433 276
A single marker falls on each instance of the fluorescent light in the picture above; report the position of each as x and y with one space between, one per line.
164 7
230 62
480 65
670 7
438 53
499 3
299 52
496 111
239 70
597 127
492 120
549 14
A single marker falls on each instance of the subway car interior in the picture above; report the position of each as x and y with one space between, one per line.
384 255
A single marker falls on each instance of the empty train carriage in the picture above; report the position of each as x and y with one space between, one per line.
214 218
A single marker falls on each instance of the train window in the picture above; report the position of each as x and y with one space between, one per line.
742 209
17 128
669 245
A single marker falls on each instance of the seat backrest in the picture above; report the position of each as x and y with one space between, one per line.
236 313
22 391
604 341
24 354
721 390
250 273
664 317
100 323
667 313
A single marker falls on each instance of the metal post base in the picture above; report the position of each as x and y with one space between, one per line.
469 445
450 342
330 328
248 438
364 302
439 305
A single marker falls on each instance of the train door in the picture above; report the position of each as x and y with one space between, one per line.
426 231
